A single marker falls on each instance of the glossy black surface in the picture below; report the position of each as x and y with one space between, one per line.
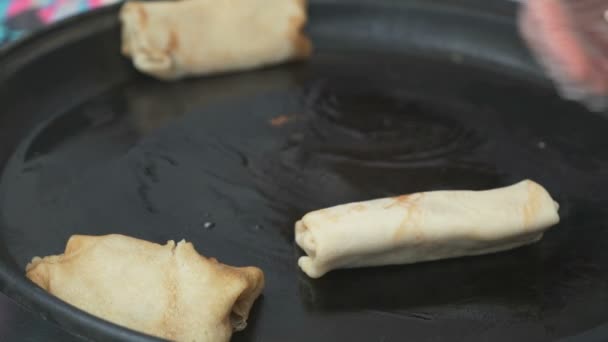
17 324
401 96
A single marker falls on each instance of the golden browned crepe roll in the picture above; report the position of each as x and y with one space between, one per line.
169 291
424 226
175 39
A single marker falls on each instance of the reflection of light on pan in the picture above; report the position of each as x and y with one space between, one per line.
369 125
92 121
350 145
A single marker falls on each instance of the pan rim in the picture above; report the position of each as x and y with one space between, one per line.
14 284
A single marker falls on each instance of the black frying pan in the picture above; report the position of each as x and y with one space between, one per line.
401 96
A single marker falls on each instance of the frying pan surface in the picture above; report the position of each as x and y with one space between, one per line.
401 96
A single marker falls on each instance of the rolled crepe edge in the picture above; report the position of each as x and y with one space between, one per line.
308 266
251 278
242 306
301 44
158 63
306 241
531 213
130 12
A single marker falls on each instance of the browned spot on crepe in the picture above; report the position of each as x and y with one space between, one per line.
403 200
358 207
172 43
408 225
143 16
300 42
532 205
280 120
330 215
412 215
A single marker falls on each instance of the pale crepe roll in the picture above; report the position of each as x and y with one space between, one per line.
174 39
424 226
169 291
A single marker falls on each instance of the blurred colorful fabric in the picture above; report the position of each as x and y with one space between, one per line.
17 17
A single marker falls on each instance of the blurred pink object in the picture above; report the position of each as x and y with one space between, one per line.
570 40
16 7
